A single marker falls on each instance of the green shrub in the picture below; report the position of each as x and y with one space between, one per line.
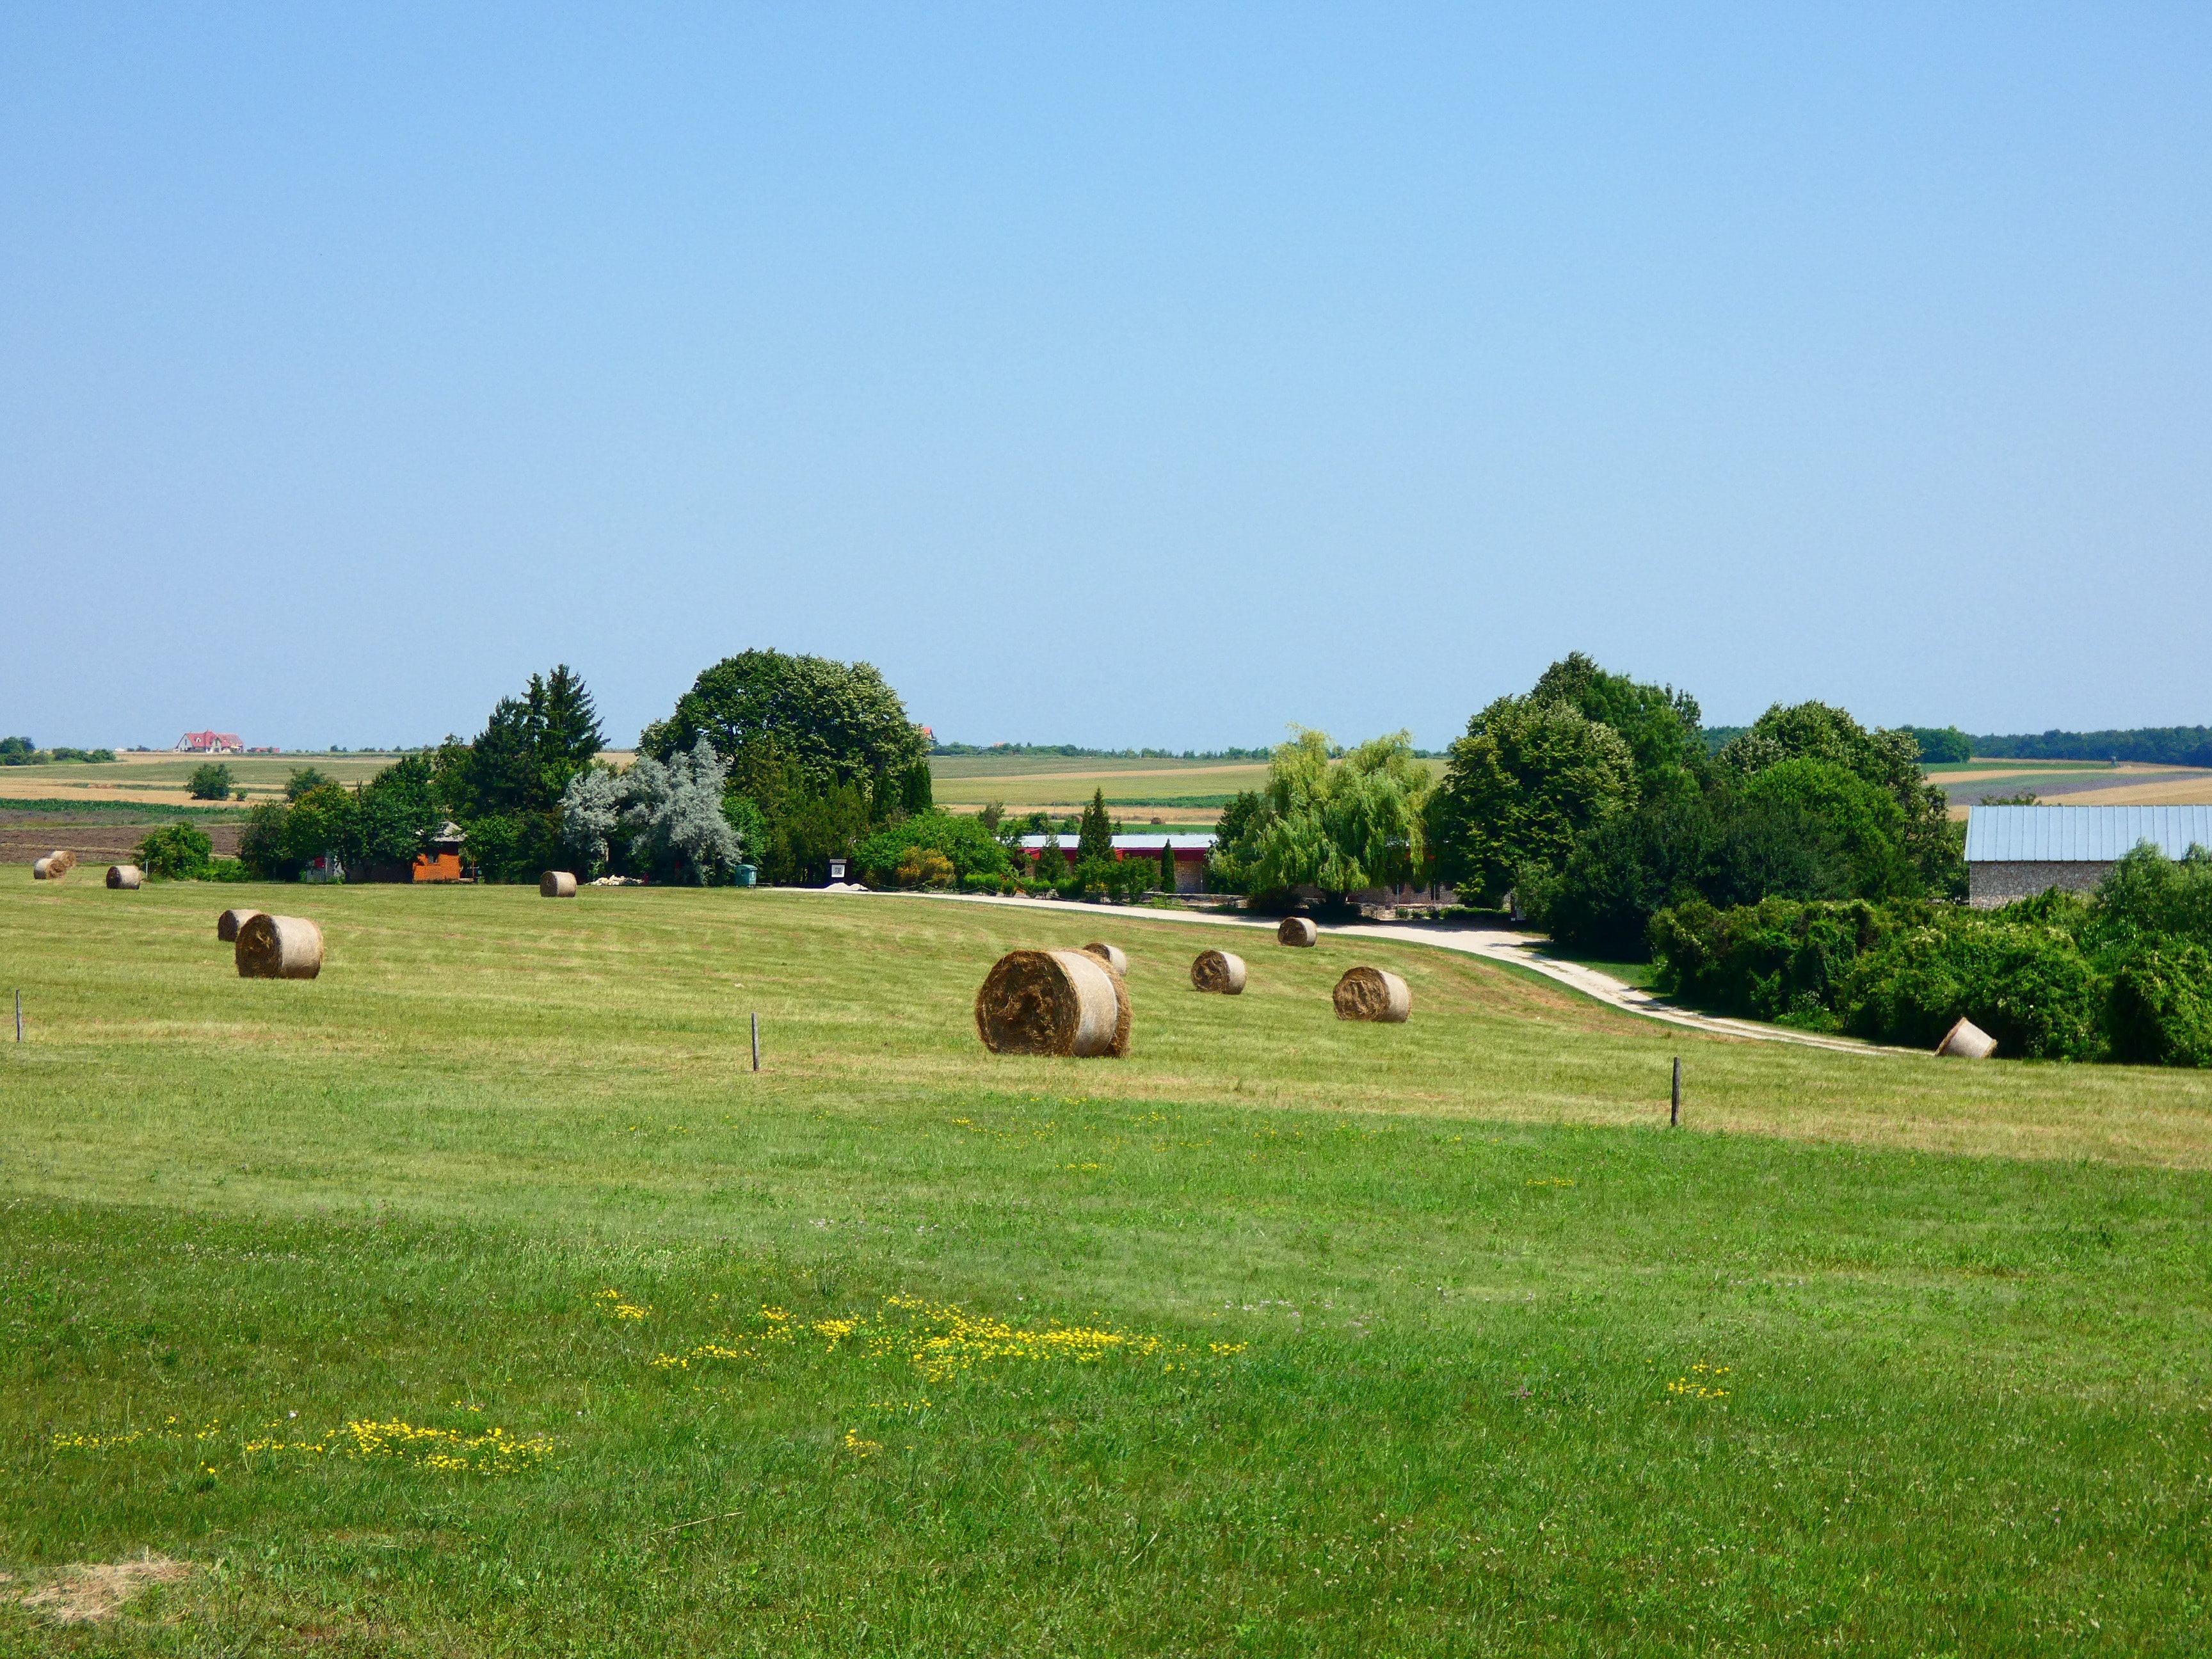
2161 1007
229 870
960 842
2147 893
1778 959
2028 987
211 781
178 852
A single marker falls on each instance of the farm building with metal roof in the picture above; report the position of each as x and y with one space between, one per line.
2015 852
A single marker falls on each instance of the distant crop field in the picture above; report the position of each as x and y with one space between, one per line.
2079 783
1179 791
478 1297
162 776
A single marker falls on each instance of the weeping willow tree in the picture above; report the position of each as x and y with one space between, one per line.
1338 823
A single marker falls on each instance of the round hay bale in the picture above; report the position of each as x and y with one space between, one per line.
1967 1041
1219 971
228 924
1296 930
556 883
39 868
279 947
124 875
1054 1002
1111 955
1372 993
59 863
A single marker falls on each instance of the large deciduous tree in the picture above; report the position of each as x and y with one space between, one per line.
1528 779
1890 761
838 722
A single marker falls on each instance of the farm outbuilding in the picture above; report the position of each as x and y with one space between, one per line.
1190 853
441 860
2017 852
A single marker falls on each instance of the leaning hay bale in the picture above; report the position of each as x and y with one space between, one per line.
1372 993
1054 1002
1296 930
279 947
1967 1041
59 863
1110 955
556 883
1219 971
38 870
123 875
228 924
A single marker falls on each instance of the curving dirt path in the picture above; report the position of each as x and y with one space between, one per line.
1471 938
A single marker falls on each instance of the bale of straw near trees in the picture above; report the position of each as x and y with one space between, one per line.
279 947
1111 955
1219 971
1054 1002
123 875
228 924
1967 1041
556 883
1296 930
1372 993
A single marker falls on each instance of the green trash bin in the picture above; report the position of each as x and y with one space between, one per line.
746 875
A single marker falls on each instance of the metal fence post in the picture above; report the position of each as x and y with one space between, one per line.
755 1043
1674 1106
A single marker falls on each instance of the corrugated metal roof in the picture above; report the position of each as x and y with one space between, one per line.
2081 835
1134 843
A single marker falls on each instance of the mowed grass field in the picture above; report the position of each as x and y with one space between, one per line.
477 1298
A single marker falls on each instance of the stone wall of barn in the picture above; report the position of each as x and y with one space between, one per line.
1991 883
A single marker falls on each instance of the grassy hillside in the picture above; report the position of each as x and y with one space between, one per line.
1282 1336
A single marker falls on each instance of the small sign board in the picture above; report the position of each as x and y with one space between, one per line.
836 869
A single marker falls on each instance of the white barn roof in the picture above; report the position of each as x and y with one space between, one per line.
2081 835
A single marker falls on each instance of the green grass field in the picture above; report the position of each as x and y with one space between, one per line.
477 1298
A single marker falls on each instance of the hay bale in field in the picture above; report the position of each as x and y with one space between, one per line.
39 869
556 883
1296 930
59 863
279 947
1054 1002
123 875
1219 971
1373 994
1967 1041
1110 955
228 924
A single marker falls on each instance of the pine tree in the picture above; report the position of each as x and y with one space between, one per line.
1167 865
1095 836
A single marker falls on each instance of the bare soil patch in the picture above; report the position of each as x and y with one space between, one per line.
95 842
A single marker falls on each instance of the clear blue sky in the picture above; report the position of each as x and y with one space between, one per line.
1114 376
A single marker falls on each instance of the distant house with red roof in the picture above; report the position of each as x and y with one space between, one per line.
210 743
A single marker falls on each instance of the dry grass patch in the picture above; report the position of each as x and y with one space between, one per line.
85 1592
